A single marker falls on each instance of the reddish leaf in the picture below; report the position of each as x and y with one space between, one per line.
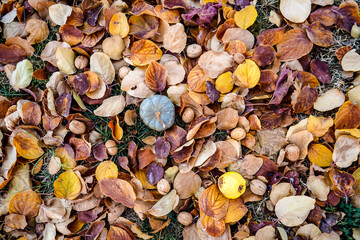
176 136
342 183
294 45
155 77
271 36
263 55
211 92
347 117
285 81
162 148
154 173
348 15
319 35
145 157
91 14
40 74
305 99
11 54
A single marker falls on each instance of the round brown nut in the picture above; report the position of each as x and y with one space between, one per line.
111 147
77 127
185 218
193 51
81 62
258 187
238 133
239 58
123 71
188 115
163 186
292 152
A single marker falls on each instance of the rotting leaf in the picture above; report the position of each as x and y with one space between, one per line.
342 183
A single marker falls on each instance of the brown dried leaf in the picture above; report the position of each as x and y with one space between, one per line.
319 35
187 184
294 45
26 203
348 116
155 77
212 203
342 183
38 30
271 36
118 190
144 51
144 26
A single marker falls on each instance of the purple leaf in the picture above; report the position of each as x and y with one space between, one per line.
81 84
63 103
285 81
91 14
154 173
211 92
202 16
99 152
321 71
162 148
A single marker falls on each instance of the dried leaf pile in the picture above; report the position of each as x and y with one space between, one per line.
192 71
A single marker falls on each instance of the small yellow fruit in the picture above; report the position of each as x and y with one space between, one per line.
232 185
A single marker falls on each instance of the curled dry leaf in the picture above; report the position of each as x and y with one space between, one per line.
296 11
67 185
346 151
302 140
111 106
118 190
292 211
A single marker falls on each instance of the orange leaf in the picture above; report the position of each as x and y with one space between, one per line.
67 185
27 145
271 36
66 155
155 77
213 227
213 203
116 130
82 148
294 45
348 116
26 203
197 79
318 126
71 34
236 210
118 190
144 51
118 233
319 35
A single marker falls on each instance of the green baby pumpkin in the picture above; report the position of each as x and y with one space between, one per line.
157 112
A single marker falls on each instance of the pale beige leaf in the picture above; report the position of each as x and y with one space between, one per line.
101 65
22 76
319 186
292 211
351 61
134 84
296 11
165 205
175 38
346 151
186 184
111 106
59 13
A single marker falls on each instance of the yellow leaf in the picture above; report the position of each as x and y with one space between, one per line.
356 186
224 83
320 155
67 185
65 60
318 126
27 145
141 175
246 17
247 74
119 25
106 169
66 155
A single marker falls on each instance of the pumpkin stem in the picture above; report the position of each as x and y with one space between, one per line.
157 114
